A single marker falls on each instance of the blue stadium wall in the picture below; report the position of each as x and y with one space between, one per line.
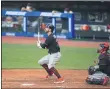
83 8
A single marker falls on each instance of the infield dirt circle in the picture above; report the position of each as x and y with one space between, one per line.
34 78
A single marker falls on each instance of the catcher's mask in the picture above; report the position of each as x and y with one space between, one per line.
104 47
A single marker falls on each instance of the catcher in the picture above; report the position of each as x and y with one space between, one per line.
99 74
49 61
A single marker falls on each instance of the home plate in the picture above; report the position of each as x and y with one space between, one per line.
27 84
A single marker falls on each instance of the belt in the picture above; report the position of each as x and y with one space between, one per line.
53 52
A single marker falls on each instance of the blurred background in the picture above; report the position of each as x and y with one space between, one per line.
91 18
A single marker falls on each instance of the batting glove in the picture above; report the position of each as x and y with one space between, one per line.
38 44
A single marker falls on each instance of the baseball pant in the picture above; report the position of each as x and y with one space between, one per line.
50 59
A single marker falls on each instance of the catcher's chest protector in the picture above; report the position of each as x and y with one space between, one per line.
103 59
97 78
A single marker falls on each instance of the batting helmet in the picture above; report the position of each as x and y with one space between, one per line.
50 26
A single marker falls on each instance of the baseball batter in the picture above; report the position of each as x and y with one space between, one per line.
49 61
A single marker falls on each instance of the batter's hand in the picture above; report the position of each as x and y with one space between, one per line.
38 44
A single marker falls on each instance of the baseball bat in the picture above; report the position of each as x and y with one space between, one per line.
38 37
39 23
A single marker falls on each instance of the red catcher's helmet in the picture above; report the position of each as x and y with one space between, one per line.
104 47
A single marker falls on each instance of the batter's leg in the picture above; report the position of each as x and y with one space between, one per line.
55 72
45 66
43 62
53 59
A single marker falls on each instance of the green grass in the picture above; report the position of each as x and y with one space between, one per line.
27 56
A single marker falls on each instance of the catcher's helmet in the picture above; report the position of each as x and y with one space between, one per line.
104 47
105 44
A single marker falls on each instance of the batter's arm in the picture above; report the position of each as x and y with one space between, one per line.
43 45
46 43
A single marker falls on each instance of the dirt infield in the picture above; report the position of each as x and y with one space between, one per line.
34 78
63 42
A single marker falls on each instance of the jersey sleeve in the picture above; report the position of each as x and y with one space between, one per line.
46 43
43 45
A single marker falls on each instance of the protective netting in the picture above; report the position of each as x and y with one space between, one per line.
15 24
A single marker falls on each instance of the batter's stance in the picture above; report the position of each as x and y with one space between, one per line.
49 61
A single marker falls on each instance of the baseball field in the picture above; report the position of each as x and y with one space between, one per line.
20 68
